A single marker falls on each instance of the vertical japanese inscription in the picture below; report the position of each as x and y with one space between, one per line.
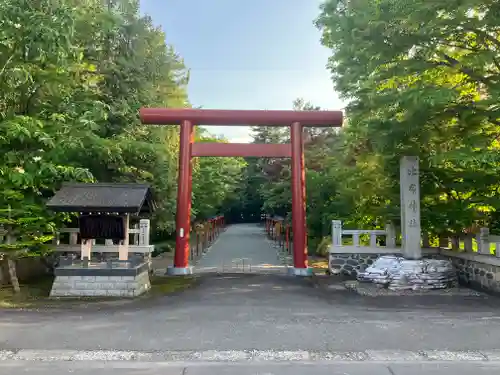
410 207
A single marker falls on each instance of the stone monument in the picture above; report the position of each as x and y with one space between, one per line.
410 271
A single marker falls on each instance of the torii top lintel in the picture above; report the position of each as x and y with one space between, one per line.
169 116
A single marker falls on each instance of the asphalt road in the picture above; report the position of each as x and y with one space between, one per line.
258 324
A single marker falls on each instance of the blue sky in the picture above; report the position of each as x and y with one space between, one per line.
259 54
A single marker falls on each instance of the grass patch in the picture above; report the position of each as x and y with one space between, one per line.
162 285
36 294
318 263
31 294
163 247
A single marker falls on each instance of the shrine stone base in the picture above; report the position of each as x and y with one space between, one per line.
476 271
104 279
351 260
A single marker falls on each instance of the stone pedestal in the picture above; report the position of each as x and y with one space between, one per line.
179 271
398 273
293 271
105 279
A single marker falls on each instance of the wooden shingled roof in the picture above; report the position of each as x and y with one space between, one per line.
103 197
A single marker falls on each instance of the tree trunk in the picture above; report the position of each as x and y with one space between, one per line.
13 275
11 265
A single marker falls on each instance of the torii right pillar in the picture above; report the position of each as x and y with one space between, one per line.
300 261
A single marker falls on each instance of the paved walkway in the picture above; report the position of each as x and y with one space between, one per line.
162 368
241 248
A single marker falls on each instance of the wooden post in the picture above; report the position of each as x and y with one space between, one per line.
86 249
336 233
426 243
468 243
483 241
444 241
73 238
57 239
144 232
287 235
135 236
197 243
390 239
355 239
123 248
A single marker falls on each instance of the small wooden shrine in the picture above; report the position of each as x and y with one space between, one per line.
104 212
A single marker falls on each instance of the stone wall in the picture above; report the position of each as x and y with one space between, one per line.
349 265
474 270
101 286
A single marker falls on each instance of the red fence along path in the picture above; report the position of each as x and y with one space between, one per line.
187 118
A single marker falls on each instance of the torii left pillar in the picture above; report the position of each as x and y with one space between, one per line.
184 190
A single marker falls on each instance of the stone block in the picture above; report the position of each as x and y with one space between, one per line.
131 286
102 285
82 285
87 293
100 293
127 293
114 293
112 286
74 293
62 285
118 285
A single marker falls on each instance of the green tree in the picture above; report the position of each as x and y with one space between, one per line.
215 180
422 79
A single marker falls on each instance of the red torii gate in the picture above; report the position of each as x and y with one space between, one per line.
187 118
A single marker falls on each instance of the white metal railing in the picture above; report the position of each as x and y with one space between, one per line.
338 232
140 243
495 240
484 244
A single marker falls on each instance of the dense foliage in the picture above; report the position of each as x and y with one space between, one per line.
73 75
421 78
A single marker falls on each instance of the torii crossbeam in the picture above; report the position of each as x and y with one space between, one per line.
187 118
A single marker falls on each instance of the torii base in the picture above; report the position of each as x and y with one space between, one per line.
178 271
